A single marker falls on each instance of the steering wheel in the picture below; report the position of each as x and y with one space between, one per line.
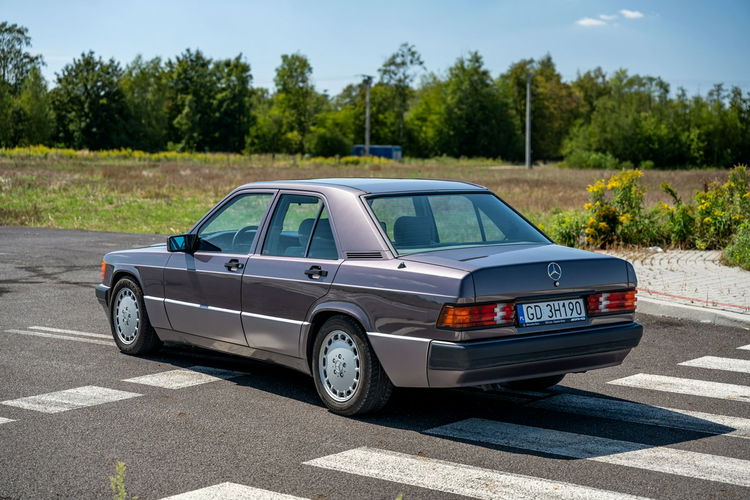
237 240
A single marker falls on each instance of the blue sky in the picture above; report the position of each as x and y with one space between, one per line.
688 43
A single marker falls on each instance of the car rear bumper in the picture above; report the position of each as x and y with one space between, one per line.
102 295
454 364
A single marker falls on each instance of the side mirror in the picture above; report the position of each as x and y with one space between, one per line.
182 243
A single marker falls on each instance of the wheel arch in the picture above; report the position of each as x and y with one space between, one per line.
120 272
323 312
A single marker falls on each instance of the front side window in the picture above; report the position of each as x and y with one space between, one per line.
300 227
423 222
232 229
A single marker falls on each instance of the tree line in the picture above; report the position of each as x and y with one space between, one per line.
192 102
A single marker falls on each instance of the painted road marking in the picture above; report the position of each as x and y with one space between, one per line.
80 397
716 363
187 377
686 386
231 491
567 444
629 411
455 478
61 337
745 347
71 332
6 420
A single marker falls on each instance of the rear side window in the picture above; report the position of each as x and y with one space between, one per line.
423 222
300 227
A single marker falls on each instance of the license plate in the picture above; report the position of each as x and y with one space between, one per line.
552 312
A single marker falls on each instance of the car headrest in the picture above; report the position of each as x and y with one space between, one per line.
413 231
323 229
305 228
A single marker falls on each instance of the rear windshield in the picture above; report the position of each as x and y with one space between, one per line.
423 222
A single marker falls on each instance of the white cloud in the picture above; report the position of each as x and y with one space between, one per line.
608 17
631 14
588 22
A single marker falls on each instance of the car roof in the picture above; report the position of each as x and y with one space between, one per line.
372 185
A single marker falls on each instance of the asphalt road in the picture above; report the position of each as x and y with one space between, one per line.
259 428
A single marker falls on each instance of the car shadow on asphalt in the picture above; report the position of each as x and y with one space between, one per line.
424 410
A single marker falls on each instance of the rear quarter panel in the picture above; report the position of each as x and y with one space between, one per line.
399 307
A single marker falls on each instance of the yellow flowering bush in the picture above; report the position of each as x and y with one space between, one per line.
614 211
721 209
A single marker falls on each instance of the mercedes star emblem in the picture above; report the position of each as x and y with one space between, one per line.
554 271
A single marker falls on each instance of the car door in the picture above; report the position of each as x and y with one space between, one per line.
202 290
295 267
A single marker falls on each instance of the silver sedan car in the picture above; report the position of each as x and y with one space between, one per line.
371 284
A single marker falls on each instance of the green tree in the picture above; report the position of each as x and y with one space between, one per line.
89 105
15 61
32 114
145 88
231 104
190 89
477 119
6 106
397 74
589 88
295 100
553 105
426 117
267 134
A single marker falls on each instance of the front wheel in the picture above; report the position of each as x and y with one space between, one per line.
131 328
348 377
534 384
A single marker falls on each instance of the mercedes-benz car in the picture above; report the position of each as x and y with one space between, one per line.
370 284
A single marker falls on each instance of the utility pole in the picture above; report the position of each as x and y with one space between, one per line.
368 83
528 120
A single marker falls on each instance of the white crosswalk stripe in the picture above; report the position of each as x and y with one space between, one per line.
231 491
187 377
629 411
6 420
61 337
636 455
716 363
71 332
450 477
745 347
80 397
686 386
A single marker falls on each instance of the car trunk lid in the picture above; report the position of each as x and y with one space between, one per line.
519 271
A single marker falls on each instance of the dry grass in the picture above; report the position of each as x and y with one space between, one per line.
167 197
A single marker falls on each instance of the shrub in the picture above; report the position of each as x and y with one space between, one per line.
721 209
327 142
737 252
678 220
615 213
591 159
567 228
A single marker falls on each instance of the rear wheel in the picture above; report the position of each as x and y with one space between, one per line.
348 377
534 384
131 328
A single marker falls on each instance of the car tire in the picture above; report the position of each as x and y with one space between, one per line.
128 319
534 384
348 376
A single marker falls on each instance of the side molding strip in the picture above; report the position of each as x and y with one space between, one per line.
275 318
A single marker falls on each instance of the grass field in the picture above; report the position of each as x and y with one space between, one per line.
168 196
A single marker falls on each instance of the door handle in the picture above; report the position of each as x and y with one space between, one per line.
233 265
315 272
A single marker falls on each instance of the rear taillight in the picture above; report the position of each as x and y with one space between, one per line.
476 316
608 302
104 268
